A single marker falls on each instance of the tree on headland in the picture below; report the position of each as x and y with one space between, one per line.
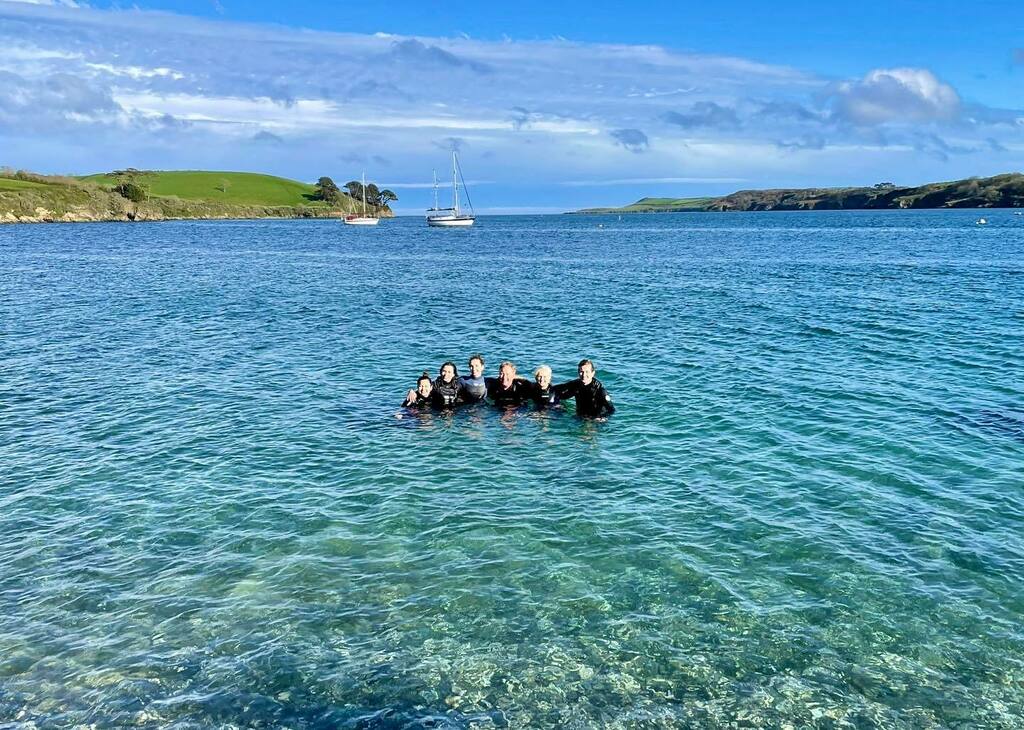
374 195
355 189
326 190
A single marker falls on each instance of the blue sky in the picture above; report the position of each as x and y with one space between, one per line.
552 106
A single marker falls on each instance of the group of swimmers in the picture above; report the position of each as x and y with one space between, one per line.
449 389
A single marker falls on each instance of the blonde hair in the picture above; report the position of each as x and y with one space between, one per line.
542 369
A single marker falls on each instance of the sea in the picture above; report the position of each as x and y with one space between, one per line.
806 512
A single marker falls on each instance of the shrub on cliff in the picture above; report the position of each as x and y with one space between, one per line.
132 191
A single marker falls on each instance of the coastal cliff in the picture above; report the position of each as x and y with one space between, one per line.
30 198
999 191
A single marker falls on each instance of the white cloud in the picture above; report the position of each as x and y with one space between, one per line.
316 114
136 72
21 53
896 95
60 3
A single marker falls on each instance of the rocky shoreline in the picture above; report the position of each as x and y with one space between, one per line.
43 215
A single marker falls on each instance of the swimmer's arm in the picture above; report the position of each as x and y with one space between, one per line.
606 402
566 390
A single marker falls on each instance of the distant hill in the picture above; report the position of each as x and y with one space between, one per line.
27 197
242 188
1000 191
657 205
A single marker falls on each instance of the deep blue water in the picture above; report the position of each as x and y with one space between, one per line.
807 512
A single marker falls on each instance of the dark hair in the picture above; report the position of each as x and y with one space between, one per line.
425 376
455 368
585 361
478 356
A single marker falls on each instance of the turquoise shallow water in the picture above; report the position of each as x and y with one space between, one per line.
808 511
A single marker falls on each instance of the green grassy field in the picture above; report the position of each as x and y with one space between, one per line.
673 203
656 205
11 184
241 188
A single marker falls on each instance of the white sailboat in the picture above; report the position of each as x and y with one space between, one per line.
451 217
362 220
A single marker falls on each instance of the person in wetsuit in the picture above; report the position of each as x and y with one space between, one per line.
473 388
591 398
543 394
507 389
422 396
446 386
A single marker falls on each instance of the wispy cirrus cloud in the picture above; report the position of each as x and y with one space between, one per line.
62 3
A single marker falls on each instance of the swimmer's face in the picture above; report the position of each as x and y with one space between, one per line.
424 387
447 373
586 372
508 374
476 367
543 378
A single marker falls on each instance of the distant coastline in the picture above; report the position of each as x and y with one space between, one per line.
999 191
136 195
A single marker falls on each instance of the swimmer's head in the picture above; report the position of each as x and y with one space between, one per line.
507 373
542 376
586 371
448 372
424 384
476 365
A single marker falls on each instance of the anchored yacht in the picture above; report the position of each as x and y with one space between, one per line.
438 217
362 220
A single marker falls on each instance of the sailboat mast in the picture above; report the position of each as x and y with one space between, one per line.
455 184
436 204
364 193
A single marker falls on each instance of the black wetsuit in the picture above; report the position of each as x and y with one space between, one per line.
591 400
473 390
516 394
445 395
422 402
544 397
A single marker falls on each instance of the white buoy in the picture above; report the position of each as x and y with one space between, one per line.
981 222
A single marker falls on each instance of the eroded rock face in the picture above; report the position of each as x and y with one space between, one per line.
150 214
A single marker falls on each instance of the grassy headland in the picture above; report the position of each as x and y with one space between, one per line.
30 198
656 205
1000 191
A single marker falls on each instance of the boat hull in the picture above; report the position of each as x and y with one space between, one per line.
451 221
361 221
